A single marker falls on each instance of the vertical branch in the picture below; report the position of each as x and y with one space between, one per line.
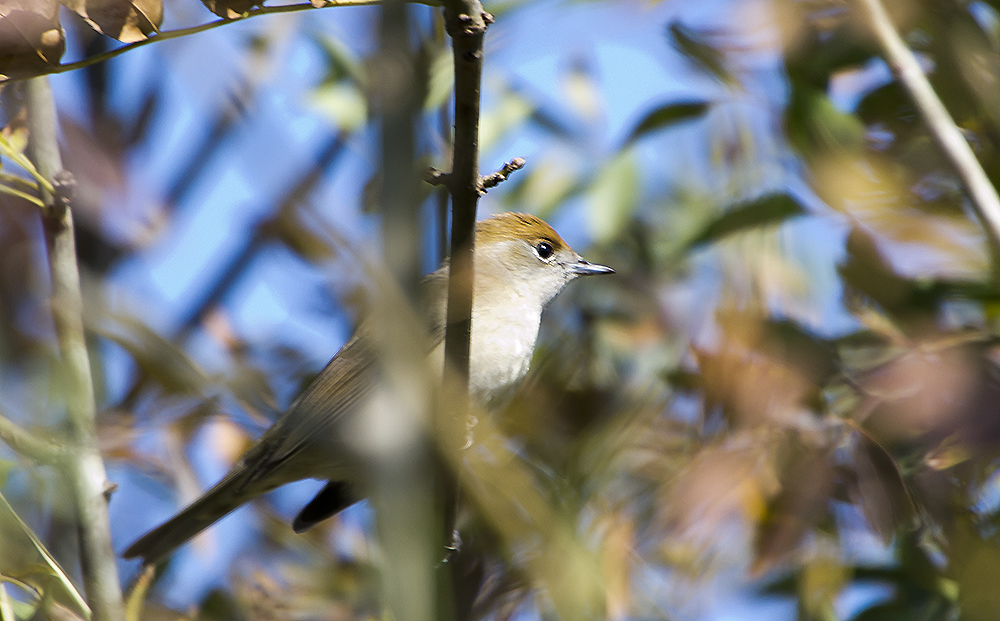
84 467
443 197
907 70
403 469
398 99
466 22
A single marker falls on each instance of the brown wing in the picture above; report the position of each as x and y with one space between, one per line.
291 449
302 442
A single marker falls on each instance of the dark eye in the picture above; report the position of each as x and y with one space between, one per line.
544 249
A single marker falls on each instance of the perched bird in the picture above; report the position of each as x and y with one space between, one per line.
521 263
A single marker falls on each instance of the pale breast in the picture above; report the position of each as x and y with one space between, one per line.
503 340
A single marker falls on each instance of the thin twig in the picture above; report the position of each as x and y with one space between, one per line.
84 468
433 176
28 444
495 179
949 137
183 32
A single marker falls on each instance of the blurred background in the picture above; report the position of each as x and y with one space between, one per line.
784 406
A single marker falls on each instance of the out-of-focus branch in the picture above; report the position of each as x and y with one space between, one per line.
907 70
83 466
403 467
27 443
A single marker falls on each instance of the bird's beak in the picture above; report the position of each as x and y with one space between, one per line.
586 268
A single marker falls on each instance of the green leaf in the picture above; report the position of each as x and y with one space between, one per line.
666 116
26 556
441 80
342 64
767 210
342 103
613 197
507 115
694 45
547 183
815 126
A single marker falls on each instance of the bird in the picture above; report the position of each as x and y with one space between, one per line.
521 264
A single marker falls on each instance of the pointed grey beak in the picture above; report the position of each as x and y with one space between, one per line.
586 268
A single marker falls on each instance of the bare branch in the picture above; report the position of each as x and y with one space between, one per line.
495 179
466 22
949 137
434 176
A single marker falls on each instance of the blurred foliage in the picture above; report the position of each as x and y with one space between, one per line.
741 406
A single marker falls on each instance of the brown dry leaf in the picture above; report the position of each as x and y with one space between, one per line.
754 386
97 163
923 390
878 487
876 198
125 20
231 9
31 38
806 486
722 487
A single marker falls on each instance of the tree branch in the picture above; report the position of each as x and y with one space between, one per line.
495 179
83 467
907 70
183 32
466 22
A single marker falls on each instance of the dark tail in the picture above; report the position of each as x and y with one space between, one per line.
331 500
226 496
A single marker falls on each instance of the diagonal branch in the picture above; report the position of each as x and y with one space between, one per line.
907 70
183 32
494 179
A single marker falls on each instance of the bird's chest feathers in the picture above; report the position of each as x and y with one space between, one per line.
503 338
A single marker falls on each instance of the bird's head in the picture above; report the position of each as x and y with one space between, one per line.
525 255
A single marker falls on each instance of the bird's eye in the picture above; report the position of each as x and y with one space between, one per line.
544 249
